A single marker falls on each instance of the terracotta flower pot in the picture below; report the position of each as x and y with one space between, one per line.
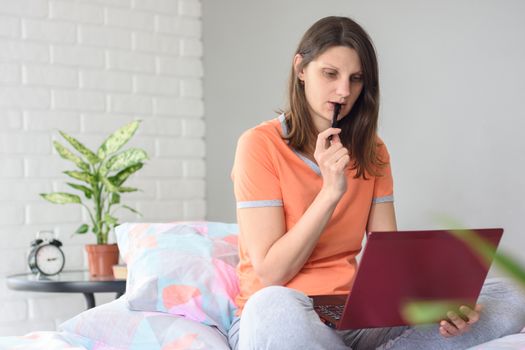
101 258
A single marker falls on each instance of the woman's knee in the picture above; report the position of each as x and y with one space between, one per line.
505 289
503 300
274 299
278 317
271 315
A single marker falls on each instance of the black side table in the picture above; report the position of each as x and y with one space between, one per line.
68 282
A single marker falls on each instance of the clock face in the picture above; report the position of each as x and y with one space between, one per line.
49 259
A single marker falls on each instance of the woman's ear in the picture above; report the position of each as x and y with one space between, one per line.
298 58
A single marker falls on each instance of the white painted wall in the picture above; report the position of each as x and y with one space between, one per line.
453 83
88 67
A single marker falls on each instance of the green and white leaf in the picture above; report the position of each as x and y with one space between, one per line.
103 171
126 159
123 175
61 198
118 139
86 152
87 191
127 189
81 176
109 186
131 209
114 199
110 220
68 155
82 229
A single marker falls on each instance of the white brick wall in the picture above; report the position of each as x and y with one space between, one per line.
88 67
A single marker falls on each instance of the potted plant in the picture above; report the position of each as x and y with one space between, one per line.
101 176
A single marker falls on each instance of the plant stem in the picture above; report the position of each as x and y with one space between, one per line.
97 195
89 212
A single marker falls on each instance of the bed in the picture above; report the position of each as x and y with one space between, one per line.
179 295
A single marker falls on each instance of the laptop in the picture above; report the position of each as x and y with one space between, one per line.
401 267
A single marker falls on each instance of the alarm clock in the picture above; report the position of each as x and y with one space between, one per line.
46 257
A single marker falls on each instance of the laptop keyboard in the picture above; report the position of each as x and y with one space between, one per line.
333 311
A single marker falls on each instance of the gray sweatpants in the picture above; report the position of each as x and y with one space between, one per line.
282 318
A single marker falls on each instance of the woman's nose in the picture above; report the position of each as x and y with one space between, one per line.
343 88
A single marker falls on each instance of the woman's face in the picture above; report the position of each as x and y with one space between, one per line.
335 76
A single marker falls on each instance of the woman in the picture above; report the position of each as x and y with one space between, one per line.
306 192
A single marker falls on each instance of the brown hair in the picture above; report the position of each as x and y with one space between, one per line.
359 127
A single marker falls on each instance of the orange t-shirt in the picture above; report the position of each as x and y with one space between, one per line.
267 172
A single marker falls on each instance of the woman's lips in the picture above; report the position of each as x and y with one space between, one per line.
332 105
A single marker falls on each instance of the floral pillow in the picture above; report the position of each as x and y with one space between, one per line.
182 268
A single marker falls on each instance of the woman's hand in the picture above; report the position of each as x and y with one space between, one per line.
456 324
332 159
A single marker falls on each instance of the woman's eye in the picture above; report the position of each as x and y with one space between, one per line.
330 74
357 78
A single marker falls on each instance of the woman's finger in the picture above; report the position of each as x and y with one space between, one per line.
472 316
342 162
335 138
457 321
448 328
337 151
322 142
334 154
444 332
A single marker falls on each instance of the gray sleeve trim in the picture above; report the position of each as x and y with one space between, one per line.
259 204
384 199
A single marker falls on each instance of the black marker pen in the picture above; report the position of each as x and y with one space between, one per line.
337 108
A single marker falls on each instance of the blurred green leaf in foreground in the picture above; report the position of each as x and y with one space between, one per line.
420 312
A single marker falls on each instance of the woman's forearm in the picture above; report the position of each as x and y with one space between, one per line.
288 254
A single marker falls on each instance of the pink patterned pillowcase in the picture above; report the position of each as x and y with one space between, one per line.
113 326
182 268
